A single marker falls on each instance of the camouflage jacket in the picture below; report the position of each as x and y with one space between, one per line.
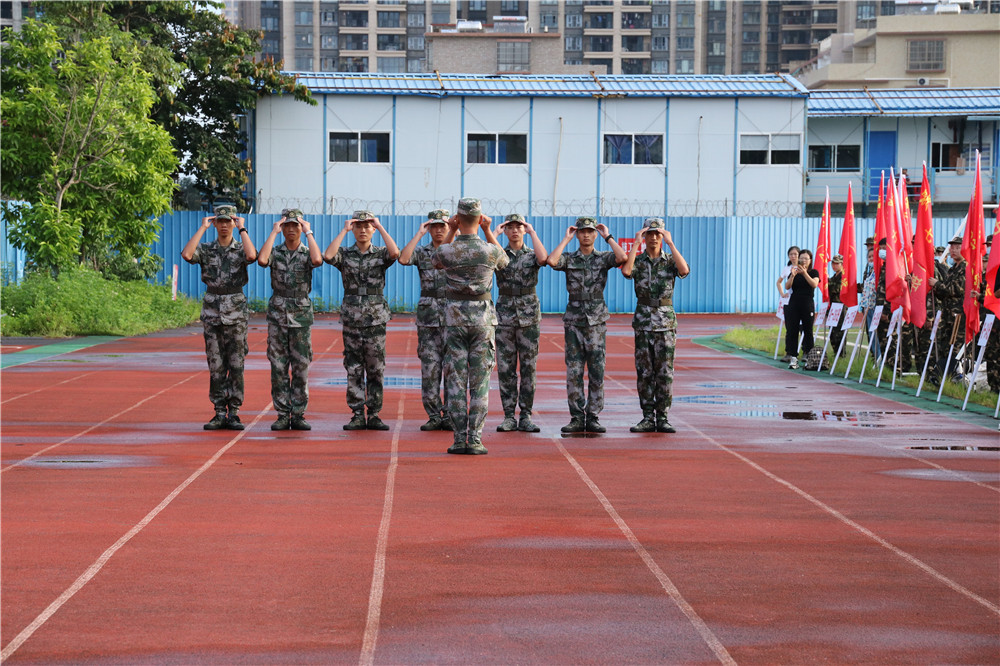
654 278
586 275
520 274
223 268
951 290
430 309
468 263
291 282
363 273
834 285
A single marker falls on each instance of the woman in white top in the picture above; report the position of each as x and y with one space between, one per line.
793 260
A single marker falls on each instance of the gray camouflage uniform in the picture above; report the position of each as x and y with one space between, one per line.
431 330
468 263
585 328
289 328
224 316
364 313
517 333
655 326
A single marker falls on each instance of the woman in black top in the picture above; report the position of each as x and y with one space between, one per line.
801 282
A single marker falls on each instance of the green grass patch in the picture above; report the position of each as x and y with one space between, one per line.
80 301
762 341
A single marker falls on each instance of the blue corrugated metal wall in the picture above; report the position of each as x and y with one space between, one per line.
734 261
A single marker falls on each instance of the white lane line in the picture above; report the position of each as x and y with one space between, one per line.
367 657
989 605
96 567
668 586
65 381
97 425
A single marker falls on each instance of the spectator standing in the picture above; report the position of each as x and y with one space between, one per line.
793 260
801 282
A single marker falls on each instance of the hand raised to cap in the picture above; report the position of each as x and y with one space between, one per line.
571 231
603 230
485 221
453 221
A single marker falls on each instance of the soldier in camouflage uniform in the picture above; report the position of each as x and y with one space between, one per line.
833 289
519 316
468 264
224 312
654 322
923 335
951 295
431 329
364 313
290 316
584 322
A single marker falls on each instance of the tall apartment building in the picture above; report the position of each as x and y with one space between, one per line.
608 36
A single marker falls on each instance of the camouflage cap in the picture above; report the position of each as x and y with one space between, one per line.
586 223
439 216
470 206
655 224
957 240
292 215
363 215
989 239
514 217
939 249
870 241
225 212
837 259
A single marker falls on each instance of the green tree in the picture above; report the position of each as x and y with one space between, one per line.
221 82
78 145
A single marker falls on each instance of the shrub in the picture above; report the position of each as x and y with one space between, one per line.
82 302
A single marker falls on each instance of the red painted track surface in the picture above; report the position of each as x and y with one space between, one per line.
746 537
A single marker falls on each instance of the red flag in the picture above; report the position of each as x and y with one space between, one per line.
897 292
849 283
823 251
923 256
906 222
879 227
992 300
973 251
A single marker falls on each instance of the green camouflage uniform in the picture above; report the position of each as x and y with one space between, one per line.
585 328
951 294
468 263
224 316
923 338
655 327
289 327
518 317
836 335
992 354
431 330
364 313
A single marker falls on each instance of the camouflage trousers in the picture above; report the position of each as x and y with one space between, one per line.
516 344
992 359
905 364
948 320
923 344
364 361
654 368
585 349
226 348
836 335
290 352
469 358
431 342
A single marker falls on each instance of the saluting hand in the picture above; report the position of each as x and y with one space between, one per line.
485 221
667 238
206 222
349 224
603 230
570 232
305 226
277 225
453 222
240 222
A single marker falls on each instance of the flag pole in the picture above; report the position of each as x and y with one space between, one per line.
930 350
871 338
947 362
984 338
854 351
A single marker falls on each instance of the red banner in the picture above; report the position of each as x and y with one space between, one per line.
973 251
848 250
823 251
923 256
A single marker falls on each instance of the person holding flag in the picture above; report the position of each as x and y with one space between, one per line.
923 302
950 292
973 251
991 301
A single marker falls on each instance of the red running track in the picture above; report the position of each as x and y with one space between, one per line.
130 535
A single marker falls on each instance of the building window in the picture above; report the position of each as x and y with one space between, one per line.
751 17
303 18
328 41
835 158
685 43
685 66
751 57
303 63
661 43
716 48
574 21
352 64
660 67
751 37
440 16
328 18
661 20
269 23
497 149
573 61
269 46
391 65
355 43
354 19
549 20
925 55
631 43
513 57
635 20
509 6
769 148
635 66
388 19
415 20
866 12
574 43
303 40
633 149
601 44
390 42
414 65
415 43
685 19
359 147
717 25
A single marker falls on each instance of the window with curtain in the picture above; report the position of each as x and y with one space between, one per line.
642 149
497 148
780 149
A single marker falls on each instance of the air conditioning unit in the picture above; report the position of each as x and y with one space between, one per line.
923 81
